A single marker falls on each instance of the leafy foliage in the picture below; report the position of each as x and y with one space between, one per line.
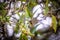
3 13
28 13
46 7
54 23
20 25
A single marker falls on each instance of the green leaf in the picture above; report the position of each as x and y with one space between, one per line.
28 13
16 28
7 18
46 8
33 30
20 38
54 23
0 17
3 13
23 37
23 0
31 4
2 6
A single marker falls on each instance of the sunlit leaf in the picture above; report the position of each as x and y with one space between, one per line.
23 37
28 13
54 23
